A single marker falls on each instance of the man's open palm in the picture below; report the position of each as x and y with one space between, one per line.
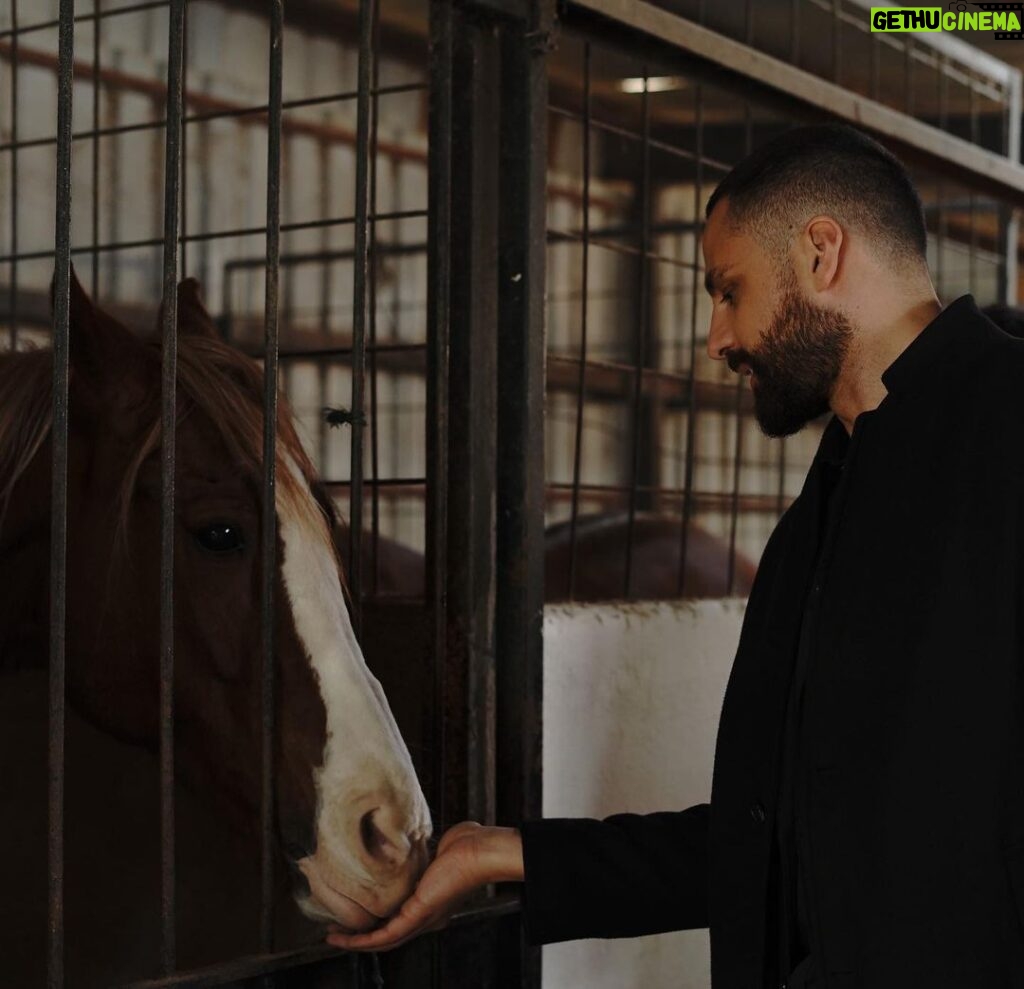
460 867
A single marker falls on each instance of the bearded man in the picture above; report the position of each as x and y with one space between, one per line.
866 823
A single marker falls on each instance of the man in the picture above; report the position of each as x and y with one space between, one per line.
866 824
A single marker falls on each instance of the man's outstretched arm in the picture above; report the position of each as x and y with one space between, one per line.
622 877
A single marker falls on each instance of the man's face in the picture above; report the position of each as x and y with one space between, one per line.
764 325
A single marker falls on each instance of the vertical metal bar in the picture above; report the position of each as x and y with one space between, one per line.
13 288
439 230
361 301
972 218
1011 226
691 416
184 145
473 446
908 75
794 38
157 154
59 504
876 66
374 439
203 157
940 238
324 205
269 515
172 156
737 462
643 328
780 503
581 386
748 22
837 41
519 547
113 186
96 149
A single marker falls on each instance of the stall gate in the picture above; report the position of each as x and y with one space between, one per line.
463 239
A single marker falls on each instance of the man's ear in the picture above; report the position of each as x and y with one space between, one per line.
820 251
193 319
106 358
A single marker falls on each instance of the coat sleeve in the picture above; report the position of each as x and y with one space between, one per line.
625 876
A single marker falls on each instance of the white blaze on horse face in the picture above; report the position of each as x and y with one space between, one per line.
372 818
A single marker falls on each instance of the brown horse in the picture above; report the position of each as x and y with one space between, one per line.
600 569
350 813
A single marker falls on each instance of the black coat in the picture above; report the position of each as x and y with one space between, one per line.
912 739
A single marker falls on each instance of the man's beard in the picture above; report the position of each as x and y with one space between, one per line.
796 364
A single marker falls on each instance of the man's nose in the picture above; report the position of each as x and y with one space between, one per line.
720 339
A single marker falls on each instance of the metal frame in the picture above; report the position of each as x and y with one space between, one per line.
736 64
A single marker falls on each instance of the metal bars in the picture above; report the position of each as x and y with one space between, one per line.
584 294
268 528
59 505
168 424
361 300
642 325
13 287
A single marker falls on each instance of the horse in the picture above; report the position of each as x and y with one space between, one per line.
600 554
599 573
351 821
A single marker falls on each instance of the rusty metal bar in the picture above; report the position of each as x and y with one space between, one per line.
737 459
13 289
91 16
59 504
372 249
184 144
629 249
172 157
268 529
96 148
837 41
361 300
642 330
619 131
584 275
217 108
794 38
612 494
519 608
439 272
339 221
691 417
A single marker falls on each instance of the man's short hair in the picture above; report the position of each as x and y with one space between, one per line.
829 169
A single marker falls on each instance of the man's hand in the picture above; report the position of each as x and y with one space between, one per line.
468 856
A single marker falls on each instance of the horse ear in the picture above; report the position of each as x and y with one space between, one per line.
193 319
99 346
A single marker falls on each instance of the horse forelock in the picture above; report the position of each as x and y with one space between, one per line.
226 389
214 379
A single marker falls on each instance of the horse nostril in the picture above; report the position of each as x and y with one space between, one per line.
375 840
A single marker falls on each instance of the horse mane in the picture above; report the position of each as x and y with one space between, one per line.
213 378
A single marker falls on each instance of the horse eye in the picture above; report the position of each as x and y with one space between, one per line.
220 537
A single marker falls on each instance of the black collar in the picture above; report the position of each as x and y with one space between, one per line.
943 338
951 336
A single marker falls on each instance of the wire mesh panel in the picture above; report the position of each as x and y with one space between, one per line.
654 453
290 159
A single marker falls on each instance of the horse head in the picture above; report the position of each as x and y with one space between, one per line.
350 814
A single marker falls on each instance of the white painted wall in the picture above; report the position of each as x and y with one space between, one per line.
632 695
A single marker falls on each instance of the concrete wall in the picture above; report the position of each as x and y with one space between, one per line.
632 695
